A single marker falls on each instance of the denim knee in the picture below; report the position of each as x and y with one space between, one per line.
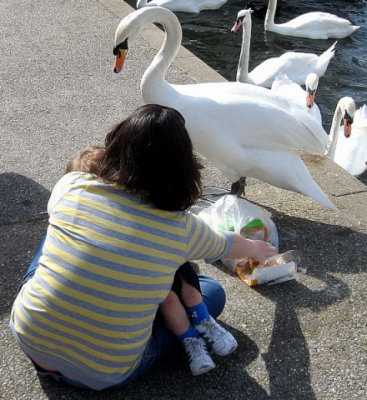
213 294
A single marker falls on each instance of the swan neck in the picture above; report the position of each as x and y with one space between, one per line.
270 14
153 81
243 62
334 131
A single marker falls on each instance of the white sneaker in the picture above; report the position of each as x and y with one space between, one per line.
200 361
220 340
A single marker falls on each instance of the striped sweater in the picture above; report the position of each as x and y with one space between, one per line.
107 263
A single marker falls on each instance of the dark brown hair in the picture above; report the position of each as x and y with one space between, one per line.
151 153
89 160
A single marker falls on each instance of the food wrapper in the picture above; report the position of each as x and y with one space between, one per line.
279 268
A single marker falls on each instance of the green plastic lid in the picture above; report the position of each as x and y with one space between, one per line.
252 224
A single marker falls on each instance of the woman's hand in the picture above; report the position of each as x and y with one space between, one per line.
261 250
258 250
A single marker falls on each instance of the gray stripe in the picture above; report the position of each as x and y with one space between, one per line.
153 215
125 226
113 282
91 307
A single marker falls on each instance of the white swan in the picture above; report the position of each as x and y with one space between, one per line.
189 6
245 130
283 86
312 25
295 65
348 144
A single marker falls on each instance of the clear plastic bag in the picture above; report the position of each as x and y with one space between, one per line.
236 214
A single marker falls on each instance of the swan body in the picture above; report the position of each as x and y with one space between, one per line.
223 118
283 86
189 6
312 25
295 65
349 152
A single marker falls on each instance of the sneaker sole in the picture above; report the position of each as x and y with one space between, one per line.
203 370
235 345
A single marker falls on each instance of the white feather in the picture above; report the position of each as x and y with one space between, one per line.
245 130
312 25
295 65
189 6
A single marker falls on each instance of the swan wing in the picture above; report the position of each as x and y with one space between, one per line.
315 20
285 87
190 6
316 25
295 65
282 169
224 115
360 118
351 153
265 73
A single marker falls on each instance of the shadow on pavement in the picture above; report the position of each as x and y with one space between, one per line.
23 220
172 375
325 251
22 199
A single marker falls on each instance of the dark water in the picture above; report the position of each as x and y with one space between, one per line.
208 36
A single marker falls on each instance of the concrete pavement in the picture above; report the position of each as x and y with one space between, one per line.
297 340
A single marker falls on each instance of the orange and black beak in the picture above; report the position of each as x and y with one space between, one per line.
120 52
310 99
348 121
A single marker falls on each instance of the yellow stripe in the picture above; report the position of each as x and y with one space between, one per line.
96 301
217 247
64 329
102 318
126 335
120 244
129 217
138 233
196 251
196 233
86 361
112 257
146 208
100 287
61 338
69 342
204 243
103 271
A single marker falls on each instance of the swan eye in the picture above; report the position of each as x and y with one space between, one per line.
347 118
122 46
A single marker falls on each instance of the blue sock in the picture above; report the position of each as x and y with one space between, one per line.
191 332
198 313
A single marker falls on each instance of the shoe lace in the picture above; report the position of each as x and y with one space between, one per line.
194 347
213 331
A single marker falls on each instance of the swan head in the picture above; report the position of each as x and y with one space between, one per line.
126 32
130 26
242 17
348 108
311 83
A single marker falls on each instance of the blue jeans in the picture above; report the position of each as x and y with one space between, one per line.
162 340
